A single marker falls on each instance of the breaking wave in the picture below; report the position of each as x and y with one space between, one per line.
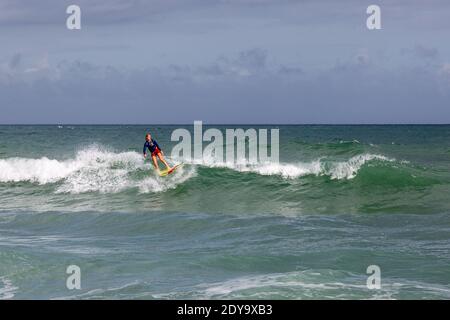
336 170
94 169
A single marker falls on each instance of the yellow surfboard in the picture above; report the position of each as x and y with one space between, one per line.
166 172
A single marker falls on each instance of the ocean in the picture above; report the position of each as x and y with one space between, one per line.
341 199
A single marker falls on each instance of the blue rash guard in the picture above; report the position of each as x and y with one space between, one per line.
152 146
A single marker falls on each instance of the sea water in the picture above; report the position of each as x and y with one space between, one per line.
342 198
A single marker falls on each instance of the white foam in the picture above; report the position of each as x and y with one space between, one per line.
349 169
100 292
8 290
161 184
93 169
320 167
42 170
98 170
309 284
297 283
285 170
103 171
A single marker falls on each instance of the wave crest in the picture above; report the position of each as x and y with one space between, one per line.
336 170
99 170
93 169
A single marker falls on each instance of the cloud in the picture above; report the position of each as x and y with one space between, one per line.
357 63
250 62
15 61
253 59
362 59
444 79
422 52
445 69
224 61
286 70
247 63
361 92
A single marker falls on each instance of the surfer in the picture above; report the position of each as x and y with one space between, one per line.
155 151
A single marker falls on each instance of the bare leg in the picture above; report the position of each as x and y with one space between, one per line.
164 161
155 163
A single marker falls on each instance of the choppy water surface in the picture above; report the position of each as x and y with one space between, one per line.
342 198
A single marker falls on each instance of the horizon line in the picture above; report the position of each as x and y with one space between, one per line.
225 124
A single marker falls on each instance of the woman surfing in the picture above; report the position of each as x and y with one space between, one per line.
155 151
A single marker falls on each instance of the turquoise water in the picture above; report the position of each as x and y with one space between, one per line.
342 198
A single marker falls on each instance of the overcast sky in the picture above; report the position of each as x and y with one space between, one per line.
224 61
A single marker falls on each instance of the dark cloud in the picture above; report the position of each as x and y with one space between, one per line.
255 58
277 61
290 70
360 62
247 63
15 61
360 92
